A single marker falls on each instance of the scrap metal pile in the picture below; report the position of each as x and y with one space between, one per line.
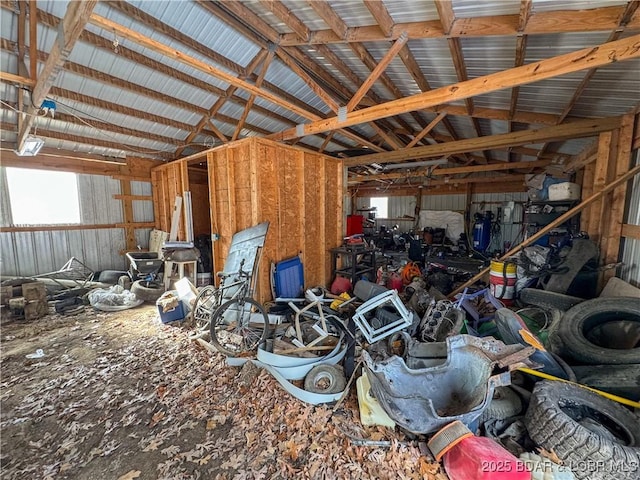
423 362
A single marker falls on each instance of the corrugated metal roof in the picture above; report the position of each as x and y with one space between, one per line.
611 91
475 8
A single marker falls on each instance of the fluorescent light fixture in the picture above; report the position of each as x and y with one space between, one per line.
31 147
426 163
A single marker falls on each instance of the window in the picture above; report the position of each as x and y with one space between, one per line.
381 204
41 197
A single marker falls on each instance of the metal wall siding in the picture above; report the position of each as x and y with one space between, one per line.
32 253
630 272
5 205
142 237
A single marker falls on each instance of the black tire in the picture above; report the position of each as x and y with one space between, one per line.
325 379
231 330
545 299
505 404
110 276
204 307
577 344
125 282
147 291
595 437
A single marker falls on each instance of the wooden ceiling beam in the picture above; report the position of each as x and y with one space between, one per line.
628 13
69 30
377 71
92 141
217 105
578 129
620 50
442 172
521 46
404 189
540 23
247 108
284 14
424 174
33 40
234 10
197 64
331 18
427 129
171 32
380 13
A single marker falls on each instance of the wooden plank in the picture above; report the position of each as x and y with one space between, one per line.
631 231
599 180
380 13
324 11
197 64
427 129
621 165
215 212
376 72
493 167
606 202
314 213
619 50
69 30
404 190
127 213
128 196
540 23
33 39
580 128
557 222
587 191
445 12
269 205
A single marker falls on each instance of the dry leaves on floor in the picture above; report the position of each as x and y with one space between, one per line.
159 406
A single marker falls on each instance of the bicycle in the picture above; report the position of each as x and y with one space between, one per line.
235 321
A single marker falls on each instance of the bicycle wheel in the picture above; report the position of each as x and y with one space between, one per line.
203 308
239 326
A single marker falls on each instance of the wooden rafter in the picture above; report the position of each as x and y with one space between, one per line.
541 23
625 17
93 141
380 13
252 98
580 128
376 72
197 64
427 129
33 39
335 23
69 30
258 25
217 105
422 174
619 50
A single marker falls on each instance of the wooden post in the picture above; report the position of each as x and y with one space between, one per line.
127 210
618 196
599 181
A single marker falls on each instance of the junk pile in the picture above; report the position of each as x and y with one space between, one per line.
542 385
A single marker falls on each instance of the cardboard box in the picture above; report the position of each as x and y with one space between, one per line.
564 191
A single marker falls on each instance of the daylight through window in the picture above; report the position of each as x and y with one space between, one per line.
41 197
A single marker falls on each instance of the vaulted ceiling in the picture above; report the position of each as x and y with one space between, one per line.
473 82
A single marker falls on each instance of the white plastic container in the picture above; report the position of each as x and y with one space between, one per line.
371 413
564 191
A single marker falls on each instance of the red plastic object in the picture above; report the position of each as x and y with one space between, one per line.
395 282
354 224
340 285
467 457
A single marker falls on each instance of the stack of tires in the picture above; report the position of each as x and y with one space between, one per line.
596 437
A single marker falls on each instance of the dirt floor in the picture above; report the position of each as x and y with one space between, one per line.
122 396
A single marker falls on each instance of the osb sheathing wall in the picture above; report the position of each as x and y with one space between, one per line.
254 180
299 192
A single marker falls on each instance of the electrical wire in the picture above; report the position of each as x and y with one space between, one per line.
129 148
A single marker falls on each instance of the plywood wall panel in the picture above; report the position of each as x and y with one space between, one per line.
299 192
